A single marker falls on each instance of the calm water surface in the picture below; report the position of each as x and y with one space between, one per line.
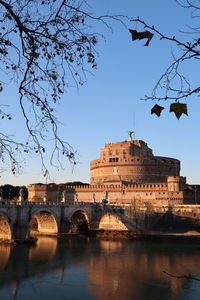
80 268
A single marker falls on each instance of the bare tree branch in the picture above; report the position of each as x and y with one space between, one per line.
45 45
182 276
173 84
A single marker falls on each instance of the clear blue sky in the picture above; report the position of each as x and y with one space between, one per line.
109 104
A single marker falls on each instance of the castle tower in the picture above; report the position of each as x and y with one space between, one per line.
131 162
176 183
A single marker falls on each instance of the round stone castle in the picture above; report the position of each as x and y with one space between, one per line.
126 173
131 162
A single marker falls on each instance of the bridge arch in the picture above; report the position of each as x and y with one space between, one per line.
79 221
44 222
111 222
5 228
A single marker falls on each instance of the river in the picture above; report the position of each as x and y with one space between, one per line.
82 268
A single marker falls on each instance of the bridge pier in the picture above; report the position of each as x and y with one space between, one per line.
20 231
20 228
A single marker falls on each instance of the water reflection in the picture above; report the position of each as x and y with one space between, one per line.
4 256
92 269
136 272
44 250
110 246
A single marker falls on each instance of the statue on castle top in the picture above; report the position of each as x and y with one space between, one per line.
130 133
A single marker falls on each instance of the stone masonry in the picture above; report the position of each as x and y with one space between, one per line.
126 172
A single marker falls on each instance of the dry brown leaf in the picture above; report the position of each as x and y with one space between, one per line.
141 35
157 109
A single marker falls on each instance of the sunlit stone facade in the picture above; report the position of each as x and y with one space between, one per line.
131 162
126 172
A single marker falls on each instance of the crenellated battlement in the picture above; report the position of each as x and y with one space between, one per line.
129 187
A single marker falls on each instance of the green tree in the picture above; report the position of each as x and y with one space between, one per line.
37 198
9 192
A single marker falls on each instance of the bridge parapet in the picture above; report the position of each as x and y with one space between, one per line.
18 215
45 204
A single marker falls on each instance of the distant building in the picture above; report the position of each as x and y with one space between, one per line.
126 172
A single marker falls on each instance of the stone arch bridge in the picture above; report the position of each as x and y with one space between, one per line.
16 219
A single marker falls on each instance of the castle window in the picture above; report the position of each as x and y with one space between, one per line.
113 159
